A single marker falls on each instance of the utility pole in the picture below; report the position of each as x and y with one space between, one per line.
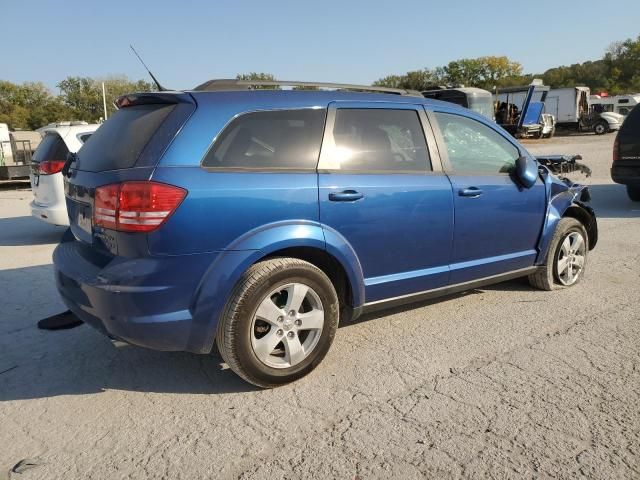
104 101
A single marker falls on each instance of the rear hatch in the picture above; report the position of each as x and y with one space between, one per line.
48 159
125 149
627 149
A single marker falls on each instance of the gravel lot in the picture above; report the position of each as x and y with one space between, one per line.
503 382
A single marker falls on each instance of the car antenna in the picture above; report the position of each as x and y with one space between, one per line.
155 80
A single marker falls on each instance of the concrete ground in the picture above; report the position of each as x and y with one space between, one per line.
502 382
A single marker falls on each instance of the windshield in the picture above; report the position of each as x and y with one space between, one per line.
482 105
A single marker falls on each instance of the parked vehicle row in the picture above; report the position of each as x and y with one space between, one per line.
258 219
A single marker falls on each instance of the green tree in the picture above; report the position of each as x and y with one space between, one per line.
414 80
623 63
83 95
29 105
482 72
258 76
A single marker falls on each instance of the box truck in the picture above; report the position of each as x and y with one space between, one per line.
572 109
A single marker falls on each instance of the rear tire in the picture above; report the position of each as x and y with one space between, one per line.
563 267
634 193
268 337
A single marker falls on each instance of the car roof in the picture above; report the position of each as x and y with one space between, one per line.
273 99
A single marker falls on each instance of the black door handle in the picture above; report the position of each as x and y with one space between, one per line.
346 196
471 192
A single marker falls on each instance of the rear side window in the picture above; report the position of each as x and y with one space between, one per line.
52 147
84 137
473 147
282 139
120 140
378 140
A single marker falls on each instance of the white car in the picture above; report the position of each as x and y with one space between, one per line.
46 178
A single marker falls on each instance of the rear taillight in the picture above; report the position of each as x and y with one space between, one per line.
616 149
135 206
50 167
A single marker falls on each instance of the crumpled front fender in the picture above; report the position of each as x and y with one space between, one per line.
566 199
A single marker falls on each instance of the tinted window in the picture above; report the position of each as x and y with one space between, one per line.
473 147
629 135
84 137
373 140
120 140
283 139
52 147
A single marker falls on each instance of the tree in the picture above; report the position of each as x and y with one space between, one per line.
623 63
83 95
414 80
482 72
30 105
258 76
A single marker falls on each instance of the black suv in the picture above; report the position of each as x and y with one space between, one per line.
626 155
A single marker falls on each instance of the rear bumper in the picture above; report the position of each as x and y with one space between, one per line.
143 301
626 175
56 215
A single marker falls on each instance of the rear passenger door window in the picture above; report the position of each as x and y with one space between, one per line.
269 140
475 148
377 140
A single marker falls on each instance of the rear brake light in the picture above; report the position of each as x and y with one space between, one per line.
135 206
616 149
50 167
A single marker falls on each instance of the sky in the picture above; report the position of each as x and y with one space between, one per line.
187 42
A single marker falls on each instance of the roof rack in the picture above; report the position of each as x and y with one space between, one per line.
233 84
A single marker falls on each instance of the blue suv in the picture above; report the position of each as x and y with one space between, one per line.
256 219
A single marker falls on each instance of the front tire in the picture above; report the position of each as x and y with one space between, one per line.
566 258
601 128
279 322
634 193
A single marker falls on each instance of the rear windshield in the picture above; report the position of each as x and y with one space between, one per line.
52 147
120 140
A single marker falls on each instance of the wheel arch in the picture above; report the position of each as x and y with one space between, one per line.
309 241
585 215
562 206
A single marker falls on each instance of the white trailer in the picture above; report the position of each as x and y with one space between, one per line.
16 149
572 109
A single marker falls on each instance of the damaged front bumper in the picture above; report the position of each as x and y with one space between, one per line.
563 164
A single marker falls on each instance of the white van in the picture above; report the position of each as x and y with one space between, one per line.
58 139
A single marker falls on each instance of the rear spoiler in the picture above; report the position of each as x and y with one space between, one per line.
561 164
152 98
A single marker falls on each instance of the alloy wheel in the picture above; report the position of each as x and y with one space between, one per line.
571 256
287 325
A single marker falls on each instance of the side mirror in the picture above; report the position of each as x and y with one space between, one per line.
526 171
